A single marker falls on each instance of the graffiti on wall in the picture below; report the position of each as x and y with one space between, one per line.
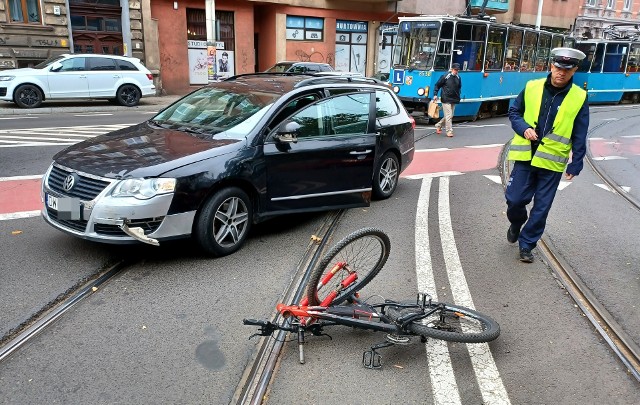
315 56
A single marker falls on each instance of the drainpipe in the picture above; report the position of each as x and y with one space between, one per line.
70 30
539 17
210 15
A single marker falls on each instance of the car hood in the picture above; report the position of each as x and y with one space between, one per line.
142 150
23 72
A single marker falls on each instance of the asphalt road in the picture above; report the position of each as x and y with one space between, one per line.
169 329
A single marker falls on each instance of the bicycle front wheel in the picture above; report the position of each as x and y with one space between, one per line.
357 259
451 323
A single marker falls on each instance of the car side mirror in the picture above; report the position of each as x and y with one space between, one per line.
56 66
287 132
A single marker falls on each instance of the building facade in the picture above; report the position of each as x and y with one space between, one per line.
595 16
32 31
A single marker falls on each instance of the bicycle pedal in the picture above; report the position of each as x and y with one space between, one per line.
398 339
371 359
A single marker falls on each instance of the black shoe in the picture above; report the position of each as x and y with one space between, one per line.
526 256
512 234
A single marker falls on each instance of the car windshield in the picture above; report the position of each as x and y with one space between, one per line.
48 62
217 112
279 67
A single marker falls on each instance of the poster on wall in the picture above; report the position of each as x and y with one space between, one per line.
342 57
226 63
197 55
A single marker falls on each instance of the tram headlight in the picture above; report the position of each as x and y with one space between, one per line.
420 91
396 89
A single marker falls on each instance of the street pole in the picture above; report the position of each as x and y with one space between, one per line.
210 15
539 17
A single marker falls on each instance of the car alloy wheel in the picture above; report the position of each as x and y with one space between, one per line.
386 177
224 222
128 95
28 96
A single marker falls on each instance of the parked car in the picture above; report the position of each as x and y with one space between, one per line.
299 67
80 76
232 154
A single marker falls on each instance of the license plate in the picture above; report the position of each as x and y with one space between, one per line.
67 208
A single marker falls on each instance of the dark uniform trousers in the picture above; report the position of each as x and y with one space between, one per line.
525 181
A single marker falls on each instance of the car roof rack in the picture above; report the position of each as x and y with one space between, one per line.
264 74
324 79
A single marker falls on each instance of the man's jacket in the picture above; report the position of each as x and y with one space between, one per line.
451 86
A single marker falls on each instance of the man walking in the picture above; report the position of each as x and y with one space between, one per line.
550 118
451 85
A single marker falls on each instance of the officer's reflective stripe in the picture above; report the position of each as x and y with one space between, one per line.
551 157
558 138
525 148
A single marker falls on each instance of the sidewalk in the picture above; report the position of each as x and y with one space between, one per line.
83 106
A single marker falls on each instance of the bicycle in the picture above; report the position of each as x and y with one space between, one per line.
332 298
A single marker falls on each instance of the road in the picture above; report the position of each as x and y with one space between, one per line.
169 329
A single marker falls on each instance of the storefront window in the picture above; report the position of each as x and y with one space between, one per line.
24 11
304 28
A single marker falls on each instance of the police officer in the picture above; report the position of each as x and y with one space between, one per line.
550 118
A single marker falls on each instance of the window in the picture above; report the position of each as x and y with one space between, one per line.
385 104
101 64
72 65
304 28
95 23
514 50
589 51
591 3
529 52
495 48
25 11
544 48
611 3
615 57
469 46
125 65
443 57
627 5
634 58
341 115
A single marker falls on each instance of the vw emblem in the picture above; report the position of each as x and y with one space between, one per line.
69 182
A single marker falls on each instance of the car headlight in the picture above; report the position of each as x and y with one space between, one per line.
144 188
6 78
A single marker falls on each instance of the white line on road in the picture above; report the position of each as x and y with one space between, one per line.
18 118
8 138
443 381
91 115
19 215
487 375
609 158
31 177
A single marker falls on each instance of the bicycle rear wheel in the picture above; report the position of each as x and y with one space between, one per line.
360 256
452 323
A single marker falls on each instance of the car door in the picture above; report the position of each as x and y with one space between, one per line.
69 80
103 77
327 160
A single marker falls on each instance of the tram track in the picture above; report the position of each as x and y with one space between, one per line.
255 381
620 342
38 322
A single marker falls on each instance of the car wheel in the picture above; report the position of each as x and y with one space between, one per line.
28 96
224 221
385 178
128 95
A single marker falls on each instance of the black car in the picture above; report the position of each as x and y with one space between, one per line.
300 67
232 154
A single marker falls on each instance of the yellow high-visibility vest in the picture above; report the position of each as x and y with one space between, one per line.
553 152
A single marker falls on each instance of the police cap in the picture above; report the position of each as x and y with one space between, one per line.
566 58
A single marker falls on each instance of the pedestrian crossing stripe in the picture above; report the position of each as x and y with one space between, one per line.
53 136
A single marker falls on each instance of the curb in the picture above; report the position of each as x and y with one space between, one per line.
148 104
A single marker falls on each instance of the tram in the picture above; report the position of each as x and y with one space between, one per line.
496 61
611 70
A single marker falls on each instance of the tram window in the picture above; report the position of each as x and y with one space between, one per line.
495 48
469 46
569 42
529 51
542 58
443 56
589 50
615 57
423 51
596 66
514 49
634 58
556 42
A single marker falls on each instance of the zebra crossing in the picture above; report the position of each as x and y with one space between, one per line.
53 136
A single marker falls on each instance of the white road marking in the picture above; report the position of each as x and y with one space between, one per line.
605 187
495 179
443 381
563 184
609 158
431 175
491 145
630 136
19 215
31 177
92 115
610 119
487 375
53 136
18 118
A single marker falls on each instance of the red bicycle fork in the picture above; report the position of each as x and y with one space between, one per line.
350 279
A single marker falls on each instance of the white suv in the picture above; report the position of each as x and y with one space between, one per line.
81 76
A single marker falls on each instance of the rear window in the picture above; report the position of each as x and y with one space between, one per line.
385 104
125 65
